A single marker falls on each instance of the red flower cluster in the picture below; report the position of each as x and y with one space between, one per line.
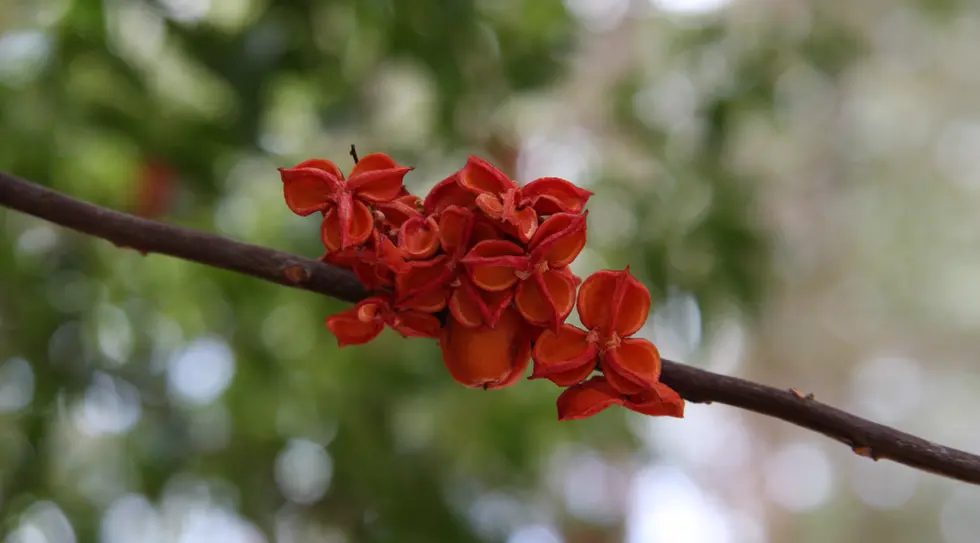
482 265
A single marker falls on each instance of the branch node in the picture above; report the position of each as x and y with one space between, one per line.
142 252
802 396
297 274
865 451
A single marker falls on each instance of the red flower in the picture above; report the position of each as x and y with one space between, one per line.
318 185
586 399
491 258
613 305
363 322
545 291
518 207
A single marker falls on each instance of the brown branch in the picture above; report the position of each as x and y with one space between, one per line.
155 237
866 438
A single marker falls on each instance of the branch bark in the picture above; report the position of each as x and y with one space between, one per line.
865 437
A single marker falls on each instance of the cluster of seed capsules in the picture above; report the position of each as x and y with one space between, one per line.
482 265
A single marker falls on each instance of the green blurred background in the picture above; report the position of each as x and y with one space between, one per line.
796 182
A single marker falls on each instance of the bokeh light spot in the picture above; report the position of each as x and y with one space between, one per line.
16 384
110 406
201 372
883 485
303 471
799 477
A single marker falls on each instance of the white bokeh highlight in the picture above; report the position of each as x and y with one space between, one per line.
16 384
304 470
199 373
110 406
667 506
799 477
43 522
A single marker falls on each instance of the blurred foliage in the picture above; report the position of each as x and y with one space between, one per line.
125 354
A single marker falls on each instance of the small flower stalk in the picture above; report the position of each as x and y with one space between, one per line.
481 264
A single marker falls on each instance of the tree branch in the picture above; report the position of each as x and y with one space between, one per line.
696 385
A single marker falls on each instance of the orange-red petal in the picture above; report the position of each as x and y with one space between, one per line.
358 229
568 351
373 162
396 212
525 223
418 238
308 190
576 280
447 193
546 299
373 275
351 328
377 178
620 384
485 357
460 229
494 304
370 271
571 377
430 301
560 239
388 255
473 307
479 176
330 230
321 164
455 225
343 259
522 359
490 204
380 185
361 224
659 401
492 264
377 262
550 195
424 285
464 306
633 366
587 399
613 301
416 324
483 229
409 199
